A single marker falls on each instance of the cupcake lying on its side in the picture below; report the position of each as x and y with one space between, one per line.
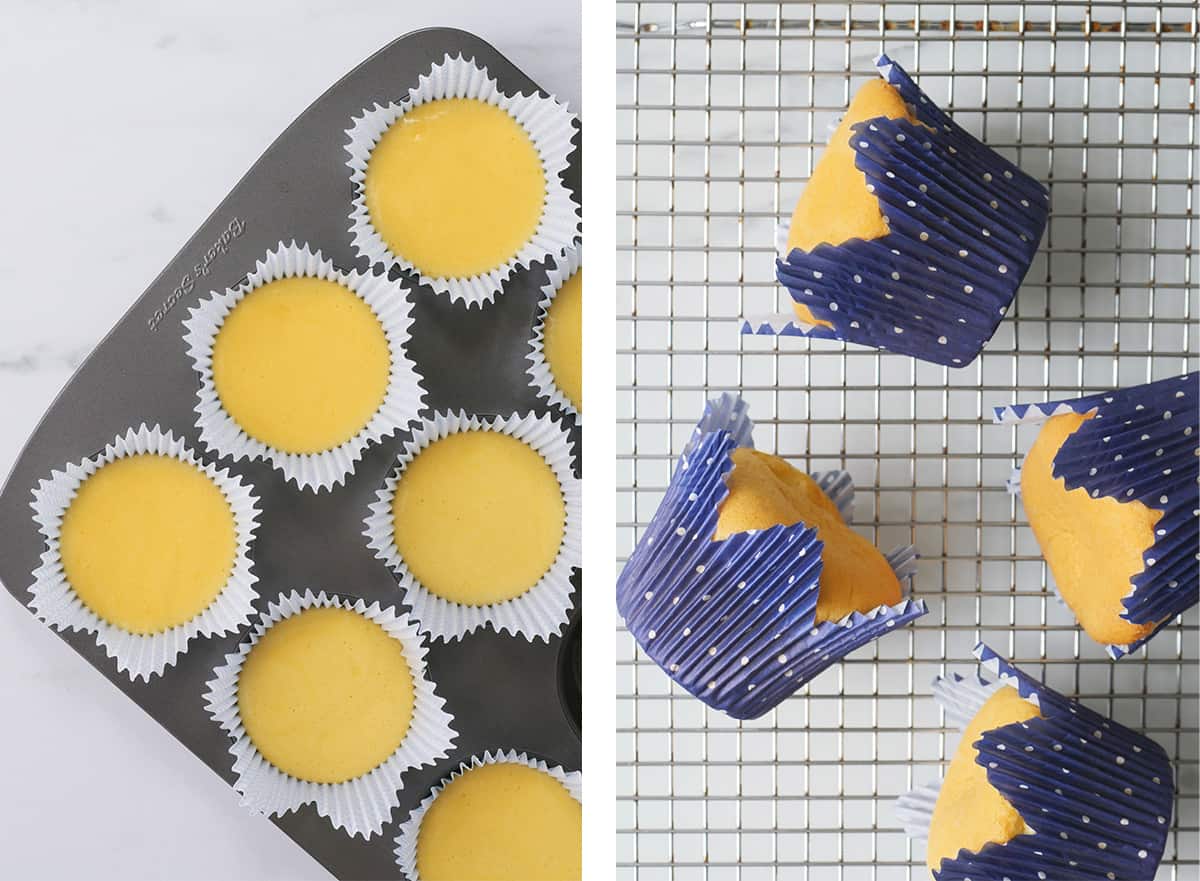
1040 787
748 583
911 236
1109 487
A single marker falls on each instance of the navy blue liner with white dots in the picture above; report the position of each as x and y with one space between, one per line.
1097 795
964 224
733 621
1142 445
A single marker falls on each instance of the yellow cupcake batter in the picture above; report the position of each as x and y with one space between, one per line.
970 812
478 517
766 491
148 542
501 822
326 695
301 364
563 339
456 187
835 205
1093 546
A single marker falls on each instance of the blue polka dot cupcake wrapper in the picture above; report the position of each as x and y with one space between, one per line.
963 222
1096 797
733 621
1141 445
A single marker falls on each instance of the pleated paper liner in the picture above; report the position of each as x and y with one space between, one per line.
402 399
360 806
54 601
733 621
1141 445
1096 795
540 377
410 830
964 224
550 127
543 609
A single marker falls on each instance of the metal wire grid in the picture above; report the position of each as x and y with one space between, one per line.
722 109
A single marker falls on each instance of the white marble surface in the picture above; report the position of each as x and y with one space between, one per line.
93 203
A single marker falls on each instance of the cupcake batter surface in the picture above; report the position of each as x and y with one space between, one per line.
326 695
835 205
148 542
1093 546
456 187
766 491
478 517
301 364
563 339
501 822
970 812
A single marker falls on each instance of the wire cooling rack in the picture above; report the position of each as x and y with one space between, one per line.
722 110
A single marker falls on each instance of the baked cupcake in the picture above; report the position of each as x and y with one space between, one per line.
1109 487
556 350
479 521
304 366
329 702
911 235
147 547
500 817
748 582
1039 787
462 183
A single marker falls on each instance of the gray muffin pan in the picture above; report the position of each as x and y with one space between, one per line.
504 692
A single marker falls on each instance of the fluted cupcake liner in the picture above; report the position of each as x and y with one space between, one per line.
360 806
540 376
550 127
542 610
1096 796
1142 445
410 830
734 621
402 398
54 601
963 222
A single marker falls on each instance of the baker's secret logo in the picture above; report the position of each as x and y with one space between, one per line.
199 270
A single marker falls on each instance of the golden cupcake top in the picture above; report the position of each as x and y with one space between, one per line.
503 821
766 491
301 364
562 339
970 812
148 542
326 695
1093 546
478 517
456 187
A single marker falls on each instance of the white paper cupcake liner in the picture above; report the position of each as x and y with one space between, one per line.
542 610
410 829
140 655
540 377
402 399
360 806
550 127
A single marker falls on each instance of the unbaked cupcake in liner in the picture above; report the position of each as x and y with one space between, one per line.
549 127
962 227
734 621
541 373
359 806
540 611
408 839
402 393
1141 446
1096 798
56 602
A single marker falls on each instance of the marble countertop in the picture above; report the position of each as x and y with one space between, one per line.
98 197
